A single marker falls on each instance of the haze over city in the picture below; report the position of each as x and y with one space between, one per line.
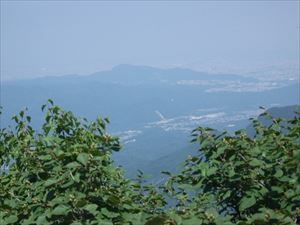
51 38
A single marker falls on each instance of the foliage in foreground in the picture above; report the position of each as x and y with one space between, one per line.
244 180
63 174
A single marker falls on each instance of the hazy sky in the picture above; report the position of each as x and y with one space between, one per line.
41 38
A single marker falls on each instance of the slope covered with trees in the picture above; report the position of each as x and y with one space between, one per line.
63 174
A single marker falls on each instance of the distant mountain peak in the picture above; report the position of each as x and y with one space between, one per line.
130 67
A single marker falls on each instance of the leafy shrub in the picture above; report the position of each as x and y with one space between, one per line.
243 180
63 174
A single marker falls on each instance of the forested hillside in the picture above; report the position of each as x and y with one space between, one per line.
62 173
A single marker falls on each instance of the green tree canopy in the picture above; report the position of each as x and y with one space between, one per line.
63 174
243 180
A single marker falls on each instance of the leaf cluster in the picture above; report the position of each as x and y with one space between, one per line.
243 180
63 174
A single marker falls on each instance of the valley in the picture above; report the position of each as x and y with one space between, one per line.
153 110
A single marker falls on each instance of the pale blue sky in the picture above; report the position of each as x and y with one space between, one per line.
40 38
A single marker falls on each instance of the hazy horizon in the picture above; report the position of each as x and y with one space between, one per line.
57 38
237 55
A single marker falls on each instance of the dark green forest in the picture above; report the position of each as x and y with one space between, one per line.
62 173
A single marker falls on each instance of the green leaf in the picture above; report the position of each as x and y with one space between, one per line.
114 200
226 195
76 223
10 202
28 118
278 173
50 101
11 219
50 182
73 165
212 171
158 220
220 151
231 172
21 114
41 220
255 162
259 217
45 157
83 158
68 184
43 107
277 189
191 221
91 208
107 213
246 202
166 173
60 210
77 177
